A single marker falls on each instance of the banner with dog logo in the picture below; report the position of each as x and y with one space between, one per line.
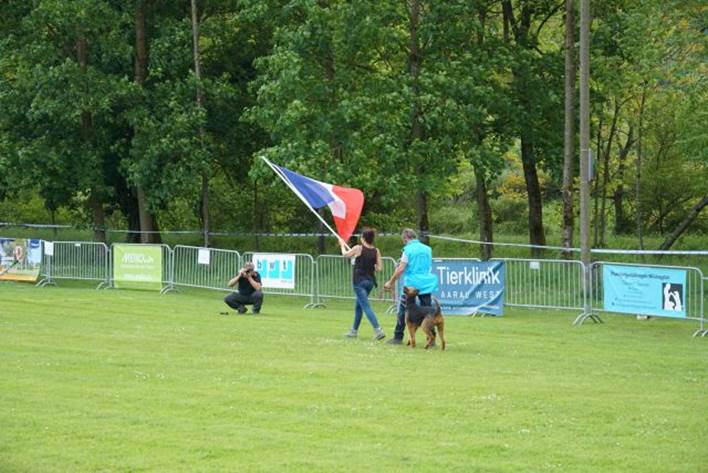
20 259
276 270
644 290
137 266
468 287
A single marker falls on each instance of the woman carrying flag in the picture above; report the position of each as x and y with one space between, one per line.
367 261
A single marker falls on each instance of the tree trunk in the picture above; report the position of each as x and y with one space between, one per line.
423 226
606 173
485 214
94 202
53 220
257 215
528 158
569 141
414 64
99 219
596 185
483 205
638 183
204 209
621 223
536 233
128 203
147 220
685 223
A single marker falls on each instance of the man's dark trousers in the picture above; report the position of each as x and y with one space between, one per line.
424 300
238 301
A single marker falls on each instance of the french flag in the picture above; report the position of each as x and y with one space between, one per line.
345 203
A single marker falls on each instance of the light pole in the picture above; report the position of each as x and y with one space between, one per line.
585 159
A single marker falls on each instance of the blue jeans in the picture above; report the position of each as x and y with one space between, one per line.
424 300
362 290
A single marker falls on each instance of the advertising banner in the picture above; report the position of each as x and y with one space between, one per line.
20 259
137 266
276 270
468 287
644 290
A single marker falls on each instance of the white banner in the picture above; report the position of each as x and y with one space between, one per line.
276 270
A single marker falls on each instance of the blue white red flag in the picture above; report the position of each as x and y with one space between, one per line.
345 203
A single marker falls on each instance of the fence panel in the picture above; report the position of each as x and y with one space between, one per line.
222 265
334 278
78 260
551 284
305 277
694 295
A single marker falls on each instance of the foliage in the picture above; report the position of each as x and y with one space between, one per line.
404 100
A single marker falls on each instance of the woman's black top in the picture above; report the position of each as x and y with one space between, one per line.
365 265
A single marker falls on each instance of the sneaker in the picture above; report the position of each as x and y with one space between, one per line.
380 335
242 310
351 334
395 341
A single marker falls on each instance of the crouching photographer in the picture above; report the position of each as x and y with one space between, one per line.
248 292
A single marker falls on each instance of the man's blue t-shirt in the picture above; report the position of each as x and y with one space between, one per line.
419 264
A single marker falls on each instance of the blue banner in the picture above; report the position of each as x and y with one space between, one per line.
468 287
644 290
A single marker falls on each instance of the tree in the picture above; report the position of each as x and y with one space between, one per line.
534 76
60 98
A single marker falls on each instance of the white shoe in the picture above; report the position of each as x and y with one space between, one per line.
351 334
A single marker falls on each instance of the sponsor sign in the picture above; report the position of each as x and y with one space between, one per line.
20 259
468 287
276 270
137 266
644 290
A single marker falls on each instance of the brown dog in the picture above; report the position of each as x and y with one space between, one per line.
426 317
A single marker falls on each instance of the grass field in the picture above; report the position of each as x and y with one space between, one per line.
137 381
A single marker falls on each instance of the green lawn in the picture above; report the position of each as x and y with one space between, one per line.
137 381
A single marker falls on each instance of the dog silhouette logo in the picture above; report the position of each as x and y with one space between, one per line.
672 297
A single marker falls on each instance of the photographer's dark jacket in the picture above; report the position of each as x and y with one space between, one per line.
244 287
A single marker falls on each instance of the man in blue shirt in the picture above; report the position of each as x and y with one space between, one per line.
416 267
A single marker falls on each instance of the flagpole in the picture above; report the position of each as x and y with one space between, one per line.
297 193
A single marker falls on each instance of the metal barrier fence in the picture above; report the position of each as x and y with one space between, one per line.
212 273
78 260
334 278
547 284
534 283
167 262
305 278
693 302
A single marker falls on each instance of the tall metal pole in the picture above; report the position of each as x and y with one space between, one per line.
200 104
584 131
584 152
